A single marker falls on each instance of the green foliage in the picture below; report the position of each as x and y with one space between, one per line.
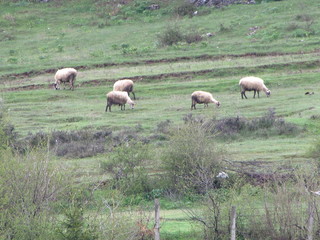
191 160
74 226
29 185
69 144
170 36
266 1
185 9
127 164
173 35
265 126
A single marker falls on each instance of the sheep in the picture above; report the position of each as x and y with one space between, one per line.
252 84
120 98
202 97
65 75
125 85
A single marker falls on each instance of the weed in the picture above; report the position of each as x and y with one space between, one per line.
76 144
12 52
193 37
12 60
10 18
6 36
185 9
304 17
60 48
224 28
292 26
98 53
172 35
266 125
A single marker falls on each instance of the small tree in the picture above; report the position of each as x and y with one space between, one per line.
127 164
192 159
74 226
29 185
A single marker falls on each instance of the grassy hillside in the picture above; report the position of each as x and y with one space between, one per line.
61 33
37 38
277 41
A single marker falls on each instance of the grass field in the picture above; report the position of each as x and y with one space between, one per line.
38 38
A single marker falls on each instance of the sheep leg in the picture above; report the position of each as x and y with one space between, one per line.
108 106
258 94
193 104
134 96
243 94
254 95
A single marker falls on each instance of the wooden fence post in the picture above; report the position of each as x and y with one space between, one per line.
157 219
310 221
233 216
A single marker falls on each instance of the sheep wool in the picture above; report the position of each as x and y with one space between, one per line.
118 98
65 75
253 84
125 85
199 97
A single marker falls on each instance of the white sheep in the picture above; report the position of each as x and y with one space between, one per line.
252 84
65 75
202 97
125 85
119 98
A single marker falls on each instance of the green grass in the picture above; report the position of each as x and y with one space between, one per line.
74 37
39 36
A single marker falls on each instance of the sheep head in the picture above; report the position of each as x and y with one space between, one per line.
268 92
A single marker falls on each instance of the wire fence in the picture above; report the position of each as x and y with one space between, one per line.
295 221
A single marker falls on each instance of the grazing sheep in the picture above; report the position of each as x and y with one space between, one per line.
65 75
125 85
253 84
119 98
202 97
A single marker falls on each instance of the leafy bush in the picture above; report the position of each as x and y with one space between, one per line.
29 187
266 1
174 35
127 165
191 160
170 36
193 37
71 144
185 9
265 126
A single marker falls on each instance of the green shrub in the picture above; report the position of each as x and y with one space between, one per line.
69 144
172 35
191 160
185 9
74 226
29 185
127 165
266 1
267 125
